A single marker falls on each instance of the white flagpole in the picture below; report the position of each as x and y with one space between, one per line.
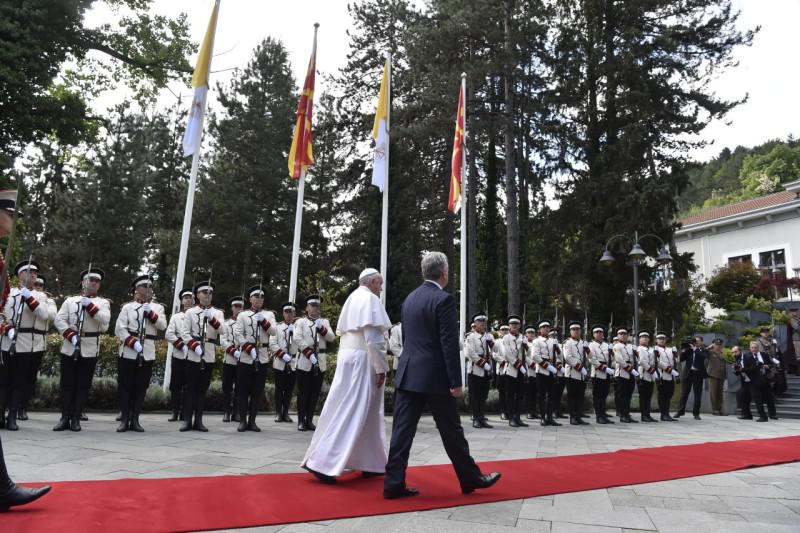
187 227
298 224
463 275
385 210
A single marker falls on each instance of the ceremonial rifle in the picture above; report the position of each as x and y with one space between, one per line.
258 325
76 352
203 328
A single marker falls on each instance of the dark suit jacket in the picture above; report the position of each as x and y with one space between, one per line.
752 368
431 361
700 356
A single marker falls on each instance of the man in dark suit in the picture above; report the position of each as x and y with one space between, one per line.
693 357
429 374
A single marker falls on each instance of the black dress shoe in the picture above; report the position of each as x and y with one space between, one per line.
367 475
200 427
531 416
11 423
697 417
574 421
520 423
773 417
83 417
476 424
62 425
762 419
75 424
173 418
485 424
278 419
503 416
253 427
582 422
601 420
328 480
311 426
608 420
17 495
242 427
22 415
679 414
667 418
226 417
287 418
302 426
394 494
745 417
513 423
552 422
484 482
187 426
136 426
123 426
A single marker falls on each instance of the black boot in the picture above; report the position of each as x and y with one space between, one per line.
551 421
574 421
11 422
187 412
123 424
251 425
135 425
63 424
176 407
198 417
226 417
520 423
242 420
83 416
22 414
75 423
119 416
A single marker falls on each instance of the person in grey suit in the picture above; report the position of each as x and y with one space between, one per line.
429 374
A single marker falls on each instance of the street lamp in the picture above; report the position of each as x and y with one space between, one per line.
636 257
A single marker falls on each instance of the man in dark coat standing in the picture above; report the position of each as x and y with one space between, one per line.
429 374
694 357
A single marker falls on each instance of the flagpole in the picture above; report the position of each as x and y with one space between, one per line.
385 209
298 224
464 186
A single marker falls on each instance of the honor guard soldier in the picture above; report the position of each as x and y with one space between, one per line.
230 361
479 348
601 357
313 335
177 380
515 353
203 328
576 352
559 379
80 321
283 346
649 374
624 376
26 317
137 326
500 371
531 392
544 357
665 357
52 310
251 332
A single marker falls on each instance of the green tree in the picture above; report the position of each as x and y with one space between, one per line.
732 285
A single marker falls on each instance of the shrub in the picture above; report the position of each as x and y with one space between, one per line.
733 284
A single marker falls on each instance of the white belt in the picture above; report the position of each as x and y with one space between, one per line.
353 341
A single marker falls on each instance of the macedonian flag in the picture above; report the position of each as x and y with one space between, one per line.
301 155
457 163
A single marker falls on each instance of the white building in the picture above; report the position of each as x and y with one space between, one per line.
764 231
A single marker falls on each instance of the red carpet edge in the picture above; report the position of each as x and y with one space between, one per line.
207 503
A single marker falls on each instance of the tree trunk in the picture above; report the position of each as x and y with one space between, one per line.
512 225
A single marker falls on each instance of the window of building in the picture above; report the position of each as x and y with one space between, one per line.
741 259
772 264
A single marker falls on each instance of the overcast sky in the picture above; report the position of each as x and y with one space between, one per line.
767 72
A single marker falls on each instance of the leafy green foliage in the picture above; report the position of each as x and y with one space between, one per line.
733 285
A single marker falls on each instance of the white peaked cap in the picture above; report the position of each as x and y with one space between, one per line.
367 272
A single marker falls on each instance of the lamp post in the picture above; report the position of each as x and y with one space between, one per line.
636 257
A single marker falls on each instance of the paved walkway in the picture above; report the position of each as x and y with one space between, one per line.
738 501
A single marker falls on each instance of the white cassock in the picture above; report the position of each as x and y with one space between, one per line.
351 433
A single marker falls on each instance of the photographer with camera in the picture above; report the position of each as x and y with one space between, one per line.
693 356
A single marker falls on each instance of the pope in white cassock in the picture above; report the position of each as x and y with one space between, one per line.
351 431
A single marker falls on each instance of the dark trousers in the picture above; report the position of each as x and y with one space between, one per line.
478 392
768 397
75 381
134 378
514 391
198 378
501 391
600 388
575 388
544 387
250 381
645 396
33 365
531 394
22 371
665 390
7 369
177 382
284 387
559 384
407 410
229 383
753 392
309 386
692 382
623 392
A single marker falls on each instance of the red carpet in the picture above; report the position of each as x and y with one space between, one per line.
203 503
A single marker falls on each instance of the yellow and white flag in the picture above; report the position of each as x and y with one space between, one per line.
194 128
380 133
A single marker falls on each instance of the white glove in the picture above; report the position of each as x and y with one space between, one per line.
487 367
523 369
583 372
258 317
488 337
137 347
85 302
318 323
146 307
74 340
551 369
286 357
776 361
198 350
675 373
609 371
253 353
674 350
313 359
237 354
207 314
11 333
185 349
290 329
634 373
25 292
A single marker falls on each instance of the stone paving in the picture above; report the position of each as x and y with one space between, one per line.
738 501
